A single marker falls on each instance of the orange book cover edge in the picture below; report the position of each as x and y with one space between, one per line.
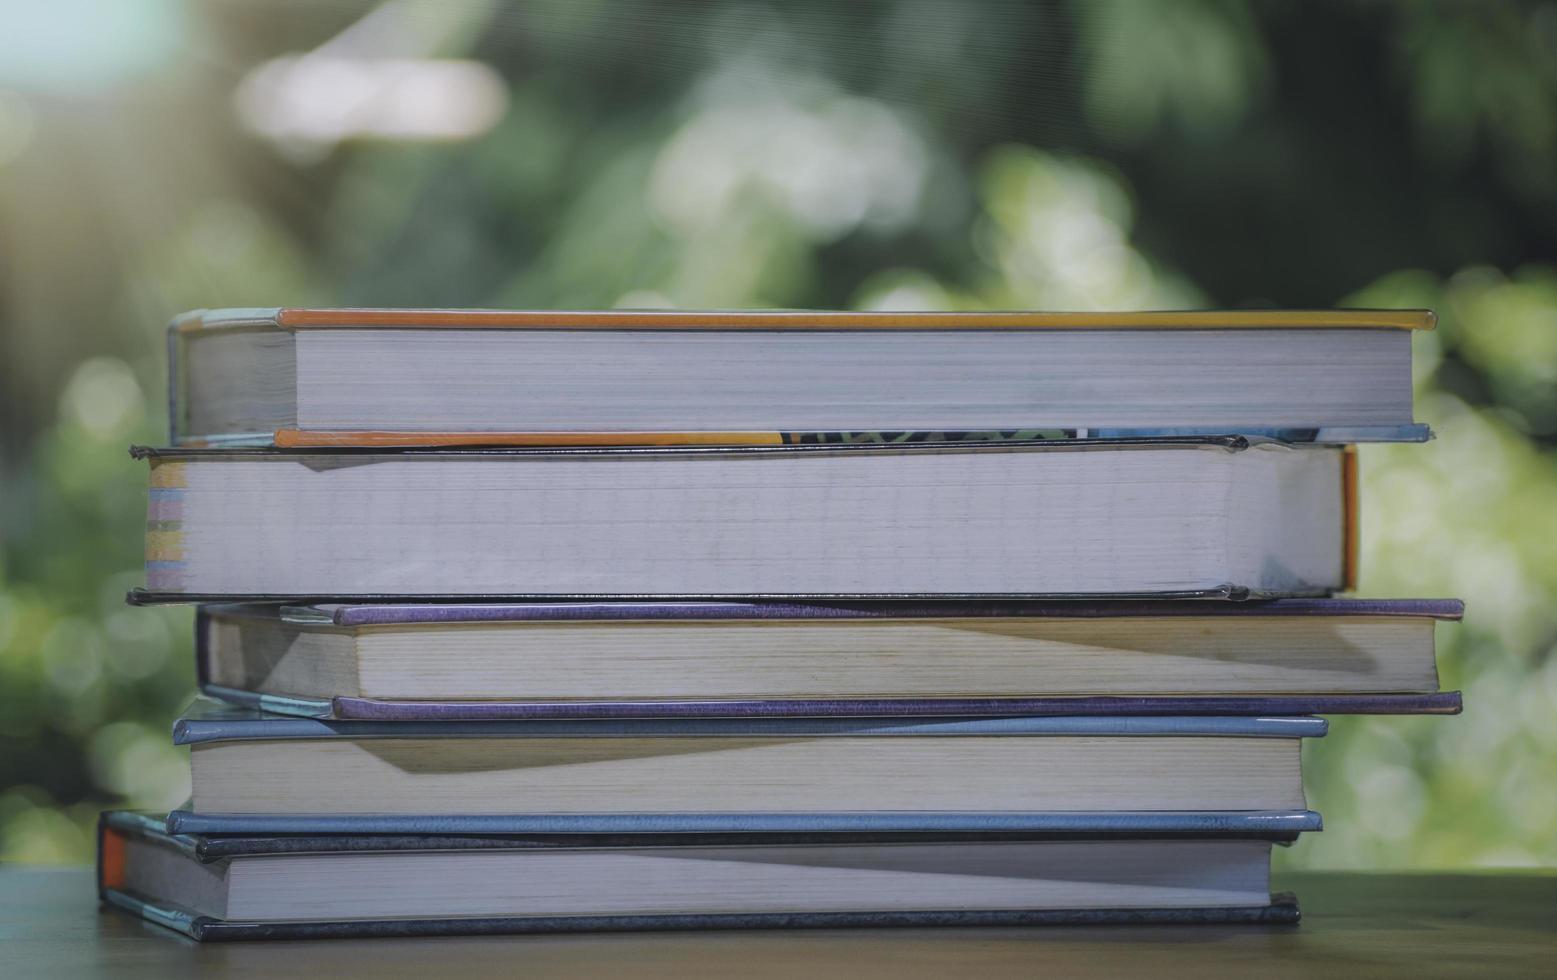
306 439
110 858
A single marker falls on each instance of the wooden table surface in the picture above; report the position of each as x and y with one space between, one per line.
1354 925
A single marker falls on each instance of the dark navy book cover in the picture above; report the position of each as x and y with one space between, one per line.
115 828
427 613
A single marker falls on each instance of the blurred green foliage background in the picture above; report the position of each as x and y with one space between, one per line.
161 155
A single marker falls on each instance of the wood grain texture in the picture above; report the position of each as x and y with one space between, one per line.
1354 925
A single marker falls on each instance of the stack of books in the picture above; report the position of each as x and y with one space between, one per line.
517 622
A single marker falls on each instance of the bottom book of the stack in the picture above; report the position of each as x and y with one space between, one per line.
345 885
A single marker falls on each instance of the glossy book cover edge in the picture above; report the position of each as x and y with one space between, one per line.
369 709
208 721
1283 910
208 848
415 613
348 708
1146 822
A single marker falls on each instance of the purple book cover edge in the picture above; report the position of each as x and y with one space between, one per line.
424 613
368 709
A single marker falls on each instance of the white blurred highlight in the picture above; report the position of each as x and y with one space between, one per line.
831 163
377 79
323 100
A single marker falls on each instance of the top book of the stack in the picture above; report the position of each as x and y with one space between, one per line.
313 378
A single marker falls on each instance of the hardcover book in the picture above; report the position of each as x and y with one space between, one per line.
1166 518
833 824
821 773
647 659
337 886
301 378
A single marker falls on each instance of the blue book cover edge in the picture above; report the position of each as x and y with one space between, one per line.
1283 910
211 722
210 848
1255 822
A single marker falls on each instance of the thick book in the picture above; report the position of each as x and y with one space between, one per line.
1188 517
301 377
644 659
342 886
251 764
